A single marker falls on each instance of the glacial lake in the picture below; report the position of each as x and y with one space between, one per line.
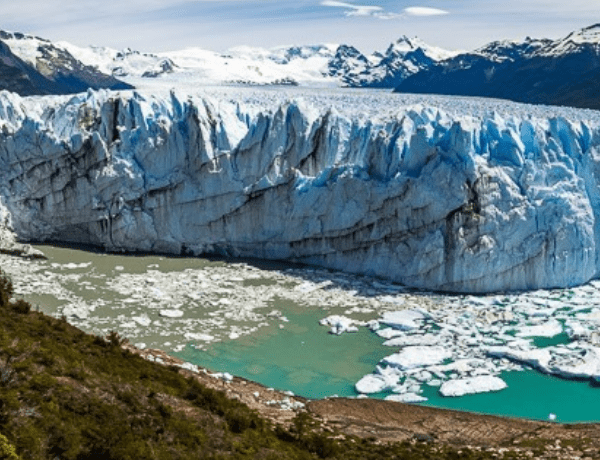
261 321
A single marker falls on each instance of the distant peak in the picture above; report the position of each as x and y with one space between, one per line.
4 35
592 27
408 43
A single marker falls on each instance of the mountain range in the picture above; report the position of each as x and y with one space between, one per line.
321 65
556 72
540 71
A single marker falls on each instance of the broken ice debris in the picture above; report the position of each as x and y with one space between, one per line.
339 324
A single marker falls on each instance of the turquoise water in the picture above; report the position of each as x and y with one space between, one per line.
307 360
302 357
530 395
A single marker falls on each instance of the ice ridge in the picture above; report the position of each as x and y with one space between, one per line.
426 198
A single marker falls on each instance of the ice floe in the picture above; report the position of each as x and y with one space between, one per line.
471 385
406 398
417 357
462 344
438 339
339 324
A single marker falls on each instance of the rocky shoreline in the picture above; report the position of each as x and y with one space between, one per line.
388 421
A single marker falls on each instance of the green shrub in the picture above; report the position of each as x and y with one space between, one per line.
21 307
7 450
6 290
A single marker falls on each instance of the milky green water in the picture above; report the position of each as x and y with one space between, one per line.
307 360
302 356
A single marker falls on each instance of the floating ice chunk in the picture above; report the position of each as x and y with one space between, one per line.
199 336
417 356
339 324
373 325
170 313
551 417
119 268
234 335
372 383
410 340
389 333
404 320
392 299
538 358
548 329
309 286
592 316
472 385
71 266
406 398
586 367
142 320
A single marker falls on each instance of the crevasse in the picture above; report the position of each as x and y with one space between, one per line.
423 197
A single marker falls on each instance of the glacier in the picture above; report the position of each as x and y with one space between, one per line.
422 191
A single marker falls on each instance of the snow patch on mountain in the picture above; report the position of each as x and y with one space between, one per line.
317 65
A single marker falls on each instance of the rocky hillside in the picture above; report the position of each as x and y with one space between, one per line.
33 66
65 394
561 72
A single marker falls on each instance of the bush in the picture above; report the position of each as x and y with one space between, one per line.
6 290
21 307
7 450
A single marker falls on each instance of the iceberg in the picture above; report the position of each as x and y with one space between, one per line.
472 385
457 199
417 356
372 383
404 320
408 398
339 324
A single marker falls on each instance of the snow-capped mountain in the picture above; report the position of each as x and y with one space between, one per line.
52 69
329 65
402 59
510 50
124 63
561 72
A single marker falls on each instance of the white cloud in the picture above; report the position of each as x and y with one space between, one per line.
354 10
423 11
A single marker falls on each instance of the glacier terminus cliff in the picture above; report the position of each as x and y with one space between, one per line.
420 190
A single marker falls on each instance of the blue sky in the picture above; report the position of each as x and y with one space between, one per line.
162 25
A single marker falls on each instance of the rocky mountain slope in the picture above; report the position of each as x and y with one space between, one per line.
33 66
560 72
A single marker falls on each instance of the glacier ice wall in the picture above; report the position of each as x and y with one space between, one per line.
428 199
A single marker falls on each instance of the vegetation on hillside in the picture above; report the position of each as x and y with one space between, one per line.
68 395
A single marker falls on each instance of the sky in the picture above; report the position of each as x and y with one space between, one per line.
165 25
